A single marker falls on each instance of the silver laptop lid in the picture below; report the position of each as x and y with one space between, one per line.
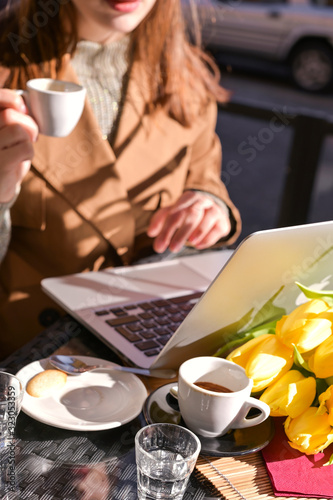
256 284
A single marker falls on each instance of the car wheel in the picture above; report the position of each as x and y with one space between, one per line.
312 67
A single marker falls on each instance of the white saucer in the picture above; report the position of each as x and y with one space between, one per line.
98 400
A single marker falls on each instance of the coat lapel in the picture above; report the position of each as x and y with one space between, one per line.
133 110
82 168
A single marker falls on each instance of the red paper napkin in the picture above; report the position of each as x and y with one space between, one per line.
295 474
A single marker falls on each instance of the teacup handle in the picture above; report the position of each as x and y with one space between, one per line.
241 421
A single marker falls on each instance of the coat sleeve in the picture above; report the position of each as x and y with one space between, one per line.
5 225
205 167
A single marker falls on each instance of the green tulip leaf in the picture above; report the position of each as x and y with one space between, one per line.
321 385
329 381
248 327
330 461
229 333
230 346
268 312
300 361
326 295
264 328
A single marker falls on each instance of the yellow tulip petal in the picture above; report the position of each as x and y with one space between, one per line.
260 385
290 395
262 365
280 326
314 332
264 359
241 354
328 314
268 359
326 404
305 310
307 326
310 433
307 335
330 417
321 362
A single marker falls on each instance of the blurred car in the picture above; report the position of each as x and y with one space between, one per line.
298 33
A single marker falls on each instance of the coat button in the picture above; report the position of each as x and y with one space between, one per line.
48 316
122 250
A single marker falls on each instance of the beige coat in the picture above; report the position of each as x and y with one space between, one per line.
85 206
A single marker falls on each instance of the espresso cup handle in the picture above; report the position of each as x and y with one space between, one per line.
241 421
174 391
25 95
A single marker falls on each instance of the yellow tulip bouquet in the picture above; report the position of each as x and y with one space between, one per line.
290 361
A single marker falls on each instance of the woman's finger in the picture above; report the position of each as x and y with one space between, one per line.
10 117
17 161
12 135
214 216
171 222
189 199
10 99
194 217
13 156
191 219
218 231
157 222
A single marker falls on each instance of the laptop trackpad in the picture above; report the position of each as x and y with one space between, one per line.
168 276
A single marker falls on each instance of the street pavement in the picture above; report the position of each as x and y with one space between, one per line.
255 158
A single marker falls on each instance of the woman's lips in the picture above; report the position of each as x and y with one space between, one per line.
124 6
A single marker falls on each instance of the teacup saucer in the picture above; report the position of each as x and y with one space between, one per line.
161 406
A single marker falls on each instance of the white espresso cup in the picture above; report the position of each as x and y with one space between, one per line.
208 410
55 105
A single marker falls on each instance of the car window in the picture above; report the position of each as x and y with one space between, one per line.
324 3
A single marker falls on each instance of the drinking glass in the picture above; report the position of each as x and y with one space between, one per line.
165 455
11 395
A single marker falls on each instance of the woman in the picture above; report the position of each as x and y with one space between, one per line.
140 172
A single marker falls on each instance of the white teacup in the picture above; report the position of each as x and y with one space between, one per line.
211 413
55 105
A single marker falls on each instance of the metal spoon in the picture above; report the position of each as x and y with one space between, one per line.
74 366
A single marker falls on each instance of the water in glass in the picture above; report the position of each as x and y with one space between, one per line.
167 481
165 455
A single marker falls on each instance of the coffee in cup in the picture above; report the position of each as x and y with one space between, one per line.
210 386
214 396
55 105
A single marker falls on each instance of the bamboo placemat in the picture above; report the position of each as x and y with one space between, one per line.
241 478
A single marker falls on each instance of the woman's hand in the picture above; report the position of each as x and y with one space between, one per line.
195 219
93 482
17 133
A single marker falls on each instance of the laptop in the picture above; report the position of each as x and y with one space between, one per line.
213 295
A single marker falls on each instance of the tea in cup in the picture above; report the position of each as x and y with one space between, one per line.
55 105
214 396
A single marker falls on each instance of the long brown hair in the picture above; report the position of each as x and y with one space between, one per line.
36 35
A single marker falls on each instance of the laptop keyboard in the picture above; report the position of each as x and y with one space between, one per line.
149 325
